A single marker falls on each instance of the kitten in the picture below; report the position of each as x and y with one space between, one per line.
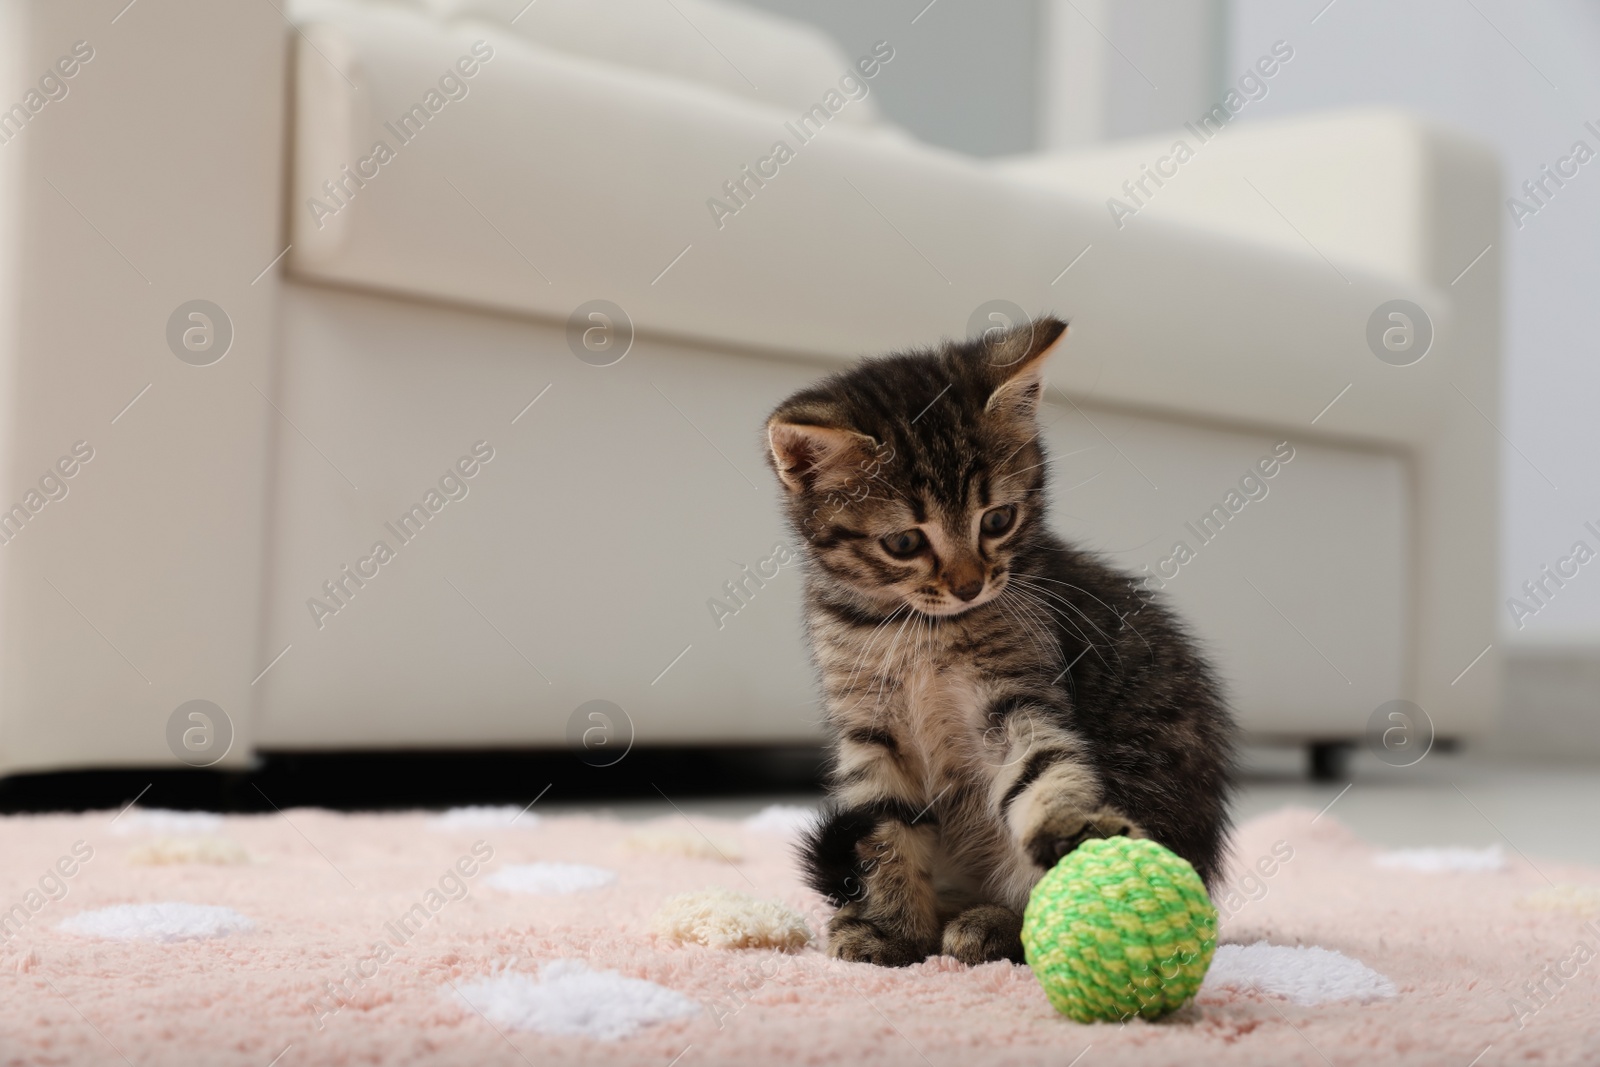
996 696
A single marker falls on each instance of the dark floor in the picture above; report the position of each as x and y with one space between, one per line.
1541 809
368 781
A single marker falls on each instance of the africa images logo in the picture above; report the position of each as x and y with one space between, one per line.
454 485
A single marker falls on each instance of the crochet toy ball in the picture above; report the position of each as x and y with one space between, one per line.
1119 928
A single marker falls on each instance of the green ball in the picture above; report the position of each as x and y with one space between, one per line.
1118 928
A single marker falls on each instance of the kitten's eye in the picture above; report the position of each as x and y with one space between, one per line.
997 521
905 544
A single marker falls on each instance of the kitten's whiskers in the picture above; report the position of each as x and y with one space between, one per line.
867 646
1033 596
1121 616
1029 625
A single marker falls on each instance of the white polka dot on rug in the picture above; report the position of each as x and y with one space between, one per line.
570 999
172 921
782 820
550 879
1304 974
483 817
166 822
1441 860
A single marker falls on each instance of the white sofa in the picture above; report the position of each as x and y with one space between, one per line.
420 311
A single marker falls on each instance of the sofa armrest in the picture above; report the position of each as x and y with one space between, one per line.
150 178
1370 187
1383 191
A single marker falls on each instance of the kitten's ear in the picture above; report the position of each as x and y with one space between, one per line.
813 457
1017 358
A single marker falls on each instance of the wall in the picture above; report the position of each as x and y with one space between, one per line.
1121 68
965 75
1521 76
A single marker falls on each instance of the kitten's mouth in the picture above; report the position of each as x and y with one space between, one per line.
950 608
948 605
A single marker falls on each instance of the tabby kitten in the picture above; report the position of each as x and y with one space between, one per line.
996 696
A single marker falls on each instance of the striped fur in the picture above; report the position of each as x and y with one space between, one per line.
996 697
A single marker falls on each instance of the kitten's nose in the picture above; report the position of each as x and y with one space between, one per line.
968 591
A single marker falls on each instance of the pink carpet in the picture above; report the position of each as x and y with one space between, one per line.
1440 965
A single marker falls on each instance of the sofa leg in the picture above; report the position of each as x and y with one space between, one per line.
1329 760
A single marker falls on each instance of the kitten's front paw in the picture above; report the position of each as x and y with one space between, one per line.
1063 831
862 941
983 934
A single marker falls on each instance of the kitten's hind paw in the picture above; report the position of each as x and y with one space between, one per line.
861 941
983 934
1061 832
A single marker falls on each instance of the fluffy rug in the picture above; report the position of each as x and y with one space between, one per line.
468 938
